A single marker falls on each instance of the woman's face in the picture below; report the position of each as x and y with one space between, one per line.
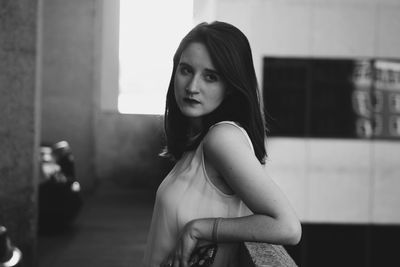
199 88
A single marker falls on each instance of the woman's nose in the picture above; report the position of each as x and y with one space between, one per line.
193 86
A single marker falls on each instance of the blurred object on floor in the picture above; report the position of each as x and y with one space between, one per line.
10 256
60 197
63 156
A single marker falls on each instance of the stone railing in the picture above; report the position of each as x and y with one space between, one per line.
264 255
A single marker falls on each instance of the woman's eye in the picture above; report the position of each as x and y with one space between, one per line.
211 77
184 70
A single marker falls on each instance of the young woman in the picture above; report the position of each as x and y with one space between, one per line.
218 191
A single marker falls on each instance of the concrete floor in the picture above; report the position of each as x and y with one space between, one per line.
111 230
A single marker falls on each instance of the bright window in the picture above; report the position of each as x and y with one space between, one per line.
150 32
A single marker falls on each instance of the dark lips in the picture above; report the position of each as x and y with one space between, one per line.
191 100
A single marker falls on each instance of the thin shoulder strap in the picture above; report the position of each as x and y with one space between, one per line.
239 127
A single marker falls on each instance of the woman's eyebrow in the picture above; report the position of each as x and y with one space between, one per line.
212 71
184 64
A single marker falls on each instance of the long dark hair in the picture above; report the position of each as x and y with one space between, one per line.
231 55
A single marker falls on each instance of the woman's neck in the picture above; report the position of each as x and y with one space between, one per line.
195 126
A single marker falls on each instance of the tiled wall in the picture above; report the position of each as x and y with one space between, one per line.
327 180
385 197
338 181
328 28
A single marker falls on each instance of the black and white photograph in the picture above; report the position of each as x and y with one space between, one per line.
199 133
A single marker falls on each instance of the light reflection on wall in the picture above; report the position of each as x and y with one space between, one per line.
150 32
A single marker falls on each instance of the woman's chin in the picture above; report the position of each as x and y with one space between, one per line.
192 113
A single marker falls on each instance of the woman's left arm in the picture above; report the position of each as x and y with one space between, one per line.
274 220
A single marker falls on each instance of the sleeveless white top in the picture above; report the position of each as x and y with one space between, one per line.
185 194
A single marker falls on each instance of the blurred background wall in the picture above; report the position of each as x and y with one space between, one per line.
68 79
105 143
320 176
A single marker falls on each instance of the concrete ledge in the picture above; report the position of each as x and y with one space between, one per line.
264 255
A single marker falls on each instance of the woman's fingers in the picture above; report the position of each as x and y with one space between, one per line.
188 245
176 262
167 263
180 256
184 261
177 255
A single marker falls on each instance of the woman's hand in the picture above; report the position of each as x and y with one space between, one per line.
185 245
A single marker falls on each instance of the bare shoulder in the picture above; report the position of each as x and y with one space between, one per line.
225 137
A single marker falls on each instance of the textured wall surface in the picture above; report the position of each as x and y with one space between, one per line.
18 131
264 255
